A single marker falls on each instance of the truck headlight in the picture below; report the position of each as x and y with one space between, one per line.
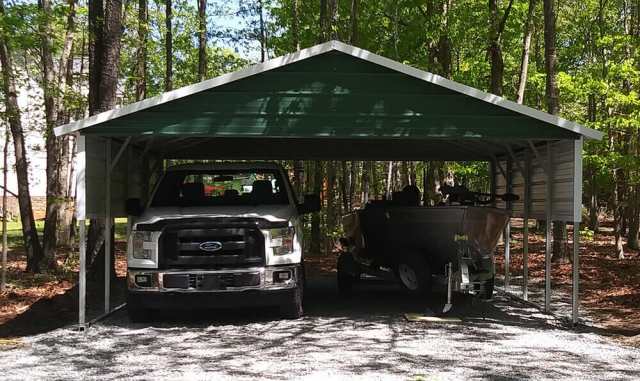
142 244
282 240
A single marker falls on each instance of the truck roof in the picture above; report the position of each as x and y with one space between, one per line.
242 166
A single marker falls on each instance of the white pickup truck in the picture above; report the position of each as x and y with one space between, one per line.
218 235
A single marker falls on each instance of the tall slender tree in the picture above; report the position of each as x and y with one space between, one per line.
496 28
141 53
526 46
105 28
29 233
202 39
168 47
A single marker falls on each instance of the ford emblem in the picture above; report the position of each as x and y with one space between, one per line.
210 246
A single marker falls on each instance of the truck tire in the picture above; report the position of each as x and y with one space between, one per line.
346 273
487 291
414 274
137 313
293 309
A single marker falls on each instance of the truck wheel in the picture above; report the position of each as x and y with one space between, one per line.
137 313
487 292
414 274
346 274
293 309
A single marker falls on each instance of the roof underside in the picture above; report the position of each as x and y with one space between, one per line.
331 105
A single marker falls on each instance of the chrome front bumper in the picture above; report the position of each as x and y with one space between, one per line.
216 281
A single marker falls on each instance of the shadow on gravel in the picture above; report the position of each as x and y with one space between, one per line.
60 311
364 335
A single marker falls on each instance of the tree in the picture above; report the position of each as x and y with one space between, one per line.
526 46
105 29
29 232
496 28
141 54
354 22
559 227
168 46
295 25
202 40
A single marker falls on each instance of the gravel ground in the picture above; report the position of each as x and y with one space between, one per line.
365 337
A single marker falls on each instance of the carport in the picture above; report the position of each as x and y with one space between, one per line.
333 101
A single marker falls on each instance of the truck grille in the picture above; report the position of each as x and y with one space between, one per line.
209 282
211 248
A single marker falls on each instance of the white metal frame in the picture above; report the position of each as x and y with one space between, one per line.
549 193
111 162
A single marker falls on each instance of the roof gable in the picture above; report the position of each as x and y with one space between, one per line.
330 90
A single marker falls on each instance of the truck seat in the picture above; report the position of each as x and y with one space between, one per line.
192 192
262 192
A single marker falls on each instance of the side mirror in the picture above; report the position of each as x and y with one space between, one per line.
133 207
311 204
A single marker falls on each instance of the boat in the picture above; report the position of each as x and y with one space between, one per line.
399 240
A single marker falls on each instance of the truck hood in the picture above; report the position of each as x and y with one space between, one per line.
271 213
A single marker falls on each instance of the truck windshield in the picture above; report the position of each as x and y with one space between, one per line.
220 187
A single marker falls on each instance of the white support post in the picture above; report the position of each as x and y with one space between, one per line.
575 277
548 216
107 229
82 281
525 228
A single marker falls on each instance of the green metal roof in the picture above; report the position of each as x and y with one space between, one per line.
329 92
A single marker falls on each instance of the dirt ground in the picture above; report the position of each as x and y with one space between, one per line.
609 287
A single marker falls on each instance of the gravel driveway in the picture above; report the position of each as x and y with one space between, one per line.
365 337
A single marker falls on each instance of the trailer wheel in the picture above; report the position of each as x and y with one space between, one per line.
414 274
487 292
346 273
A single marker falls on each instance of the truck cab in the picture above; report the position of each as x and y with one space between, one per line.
218 236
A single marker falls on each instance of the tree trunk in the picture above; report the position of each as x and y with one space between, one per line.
496 27
324 33
29 233
141 53
331 204
333 19
354 22
5 170
634 219
526 45
315 218
110 55
618 213
295 29
168 47
389 179
344 186
263 33
202 40
551 91
559 247
353 182
55 192
106 27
